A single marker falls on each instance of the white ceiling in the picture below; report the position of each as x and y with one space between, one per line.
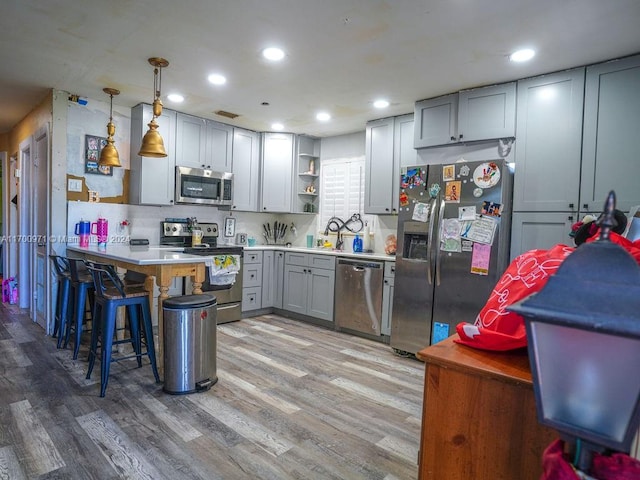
341 54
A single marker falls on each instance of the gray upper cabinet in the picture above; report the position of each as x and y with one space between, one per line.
436 121
246 170
379 167
389 146
403 149
470 115
549 142
611 125
203 143
152 180
190 141
218 146
277 169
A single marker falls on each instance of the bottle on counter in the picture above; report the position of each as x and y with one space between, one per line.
357 244
366 241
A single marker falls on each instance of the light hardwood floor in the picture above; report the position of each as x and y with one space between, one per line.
293 401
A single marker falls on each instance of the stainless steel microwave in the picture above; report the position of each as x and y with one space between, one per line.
202 186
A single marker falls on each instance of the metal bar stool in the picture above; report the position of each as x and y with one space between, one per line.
111 293
62 312
81 290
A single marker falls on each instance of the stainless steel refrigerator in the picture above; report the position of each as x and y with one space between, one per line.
453 239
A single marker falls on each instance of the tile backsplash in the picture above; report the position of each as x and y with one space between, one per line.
144 222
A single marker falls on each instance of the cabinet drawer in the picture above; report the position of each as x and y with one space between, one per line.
252 257
322 261
251 275
251 298
294 258
389 269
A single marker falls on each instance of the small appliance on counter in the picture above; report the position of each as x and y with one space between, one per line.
178 233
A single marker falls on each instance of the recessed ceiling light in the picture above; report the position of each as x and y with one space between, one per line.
381 103
277 126
273 54
217 79
175 98
323 117
523 55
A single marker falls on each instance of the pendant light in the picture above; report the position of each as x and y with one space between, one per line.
109 155
152 143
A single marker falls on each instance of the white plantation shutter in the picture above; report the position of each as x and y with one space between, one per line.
341 189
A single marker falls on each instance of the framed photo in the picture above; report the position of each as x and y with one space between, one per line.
93 146
229 227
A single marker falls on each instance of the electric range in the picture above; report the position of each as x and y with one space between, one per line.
229 297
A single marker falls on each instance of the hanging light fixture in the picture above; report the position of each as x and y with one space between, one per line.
152 143
109 155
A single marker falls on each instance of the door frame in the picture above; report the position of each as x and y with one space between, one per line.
40 265
23 171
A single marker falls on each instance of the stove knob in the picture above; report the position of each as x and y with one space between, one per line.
208 229
174 229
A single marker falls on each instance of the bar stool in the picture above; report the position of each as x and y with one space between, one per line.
62 312
111 293
81 289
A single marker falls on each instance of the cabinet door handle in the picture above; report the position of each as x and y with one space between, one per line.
585 206
461 136
386 282
386 209
571 206
453 139
264 208
570 218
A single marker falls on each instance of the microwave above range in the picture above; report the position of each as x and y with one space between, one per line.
202 186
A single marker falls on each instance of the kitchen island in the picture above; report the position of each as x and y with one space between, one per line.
163 263
479 415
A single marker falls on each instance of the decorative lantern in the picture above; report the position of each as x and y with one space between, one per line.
583 334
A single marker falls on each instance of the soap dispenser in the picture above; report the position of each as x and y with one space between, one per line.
357 244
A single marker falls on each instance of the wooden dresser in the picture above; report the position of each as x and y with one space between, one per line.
479 416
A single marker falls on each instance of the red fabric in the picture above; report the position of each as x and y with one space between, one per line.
495 327
617 466
555 464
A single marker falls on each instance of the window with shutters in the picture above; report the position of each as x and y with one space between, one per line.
342 190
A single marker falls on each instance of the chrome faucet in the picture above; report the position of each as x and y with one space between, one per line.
336 225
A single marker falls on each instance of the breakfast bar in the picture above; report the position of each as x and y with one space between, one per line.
162 263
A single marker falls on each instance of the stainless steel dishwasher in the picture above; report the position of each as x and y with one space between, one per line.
358 297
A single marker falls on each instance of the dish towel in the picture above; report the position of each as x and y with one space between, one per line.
223 269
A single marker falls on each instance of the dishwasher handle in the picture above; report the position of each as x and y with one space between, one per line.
359 265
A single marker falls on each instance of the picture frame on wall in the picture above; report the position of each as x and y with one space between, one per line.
93 145
229 227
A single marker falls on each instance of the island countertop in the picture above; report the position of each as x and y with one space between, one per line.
140 255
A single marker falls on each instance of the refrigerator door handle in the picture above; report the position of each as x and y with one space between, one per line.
432 221
438 255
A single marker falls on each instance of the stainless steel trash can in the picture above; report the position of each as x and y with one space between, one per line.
189 343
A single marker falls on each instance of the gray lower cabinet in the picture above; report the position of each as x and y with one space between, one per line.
278 278
611 126
387 297
152 179
309 282
252 281
539 230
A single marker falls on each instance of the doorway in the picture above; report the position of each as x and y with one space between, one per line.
33 202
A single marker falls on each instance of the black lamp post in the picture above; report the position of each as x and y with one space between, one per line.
583 334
